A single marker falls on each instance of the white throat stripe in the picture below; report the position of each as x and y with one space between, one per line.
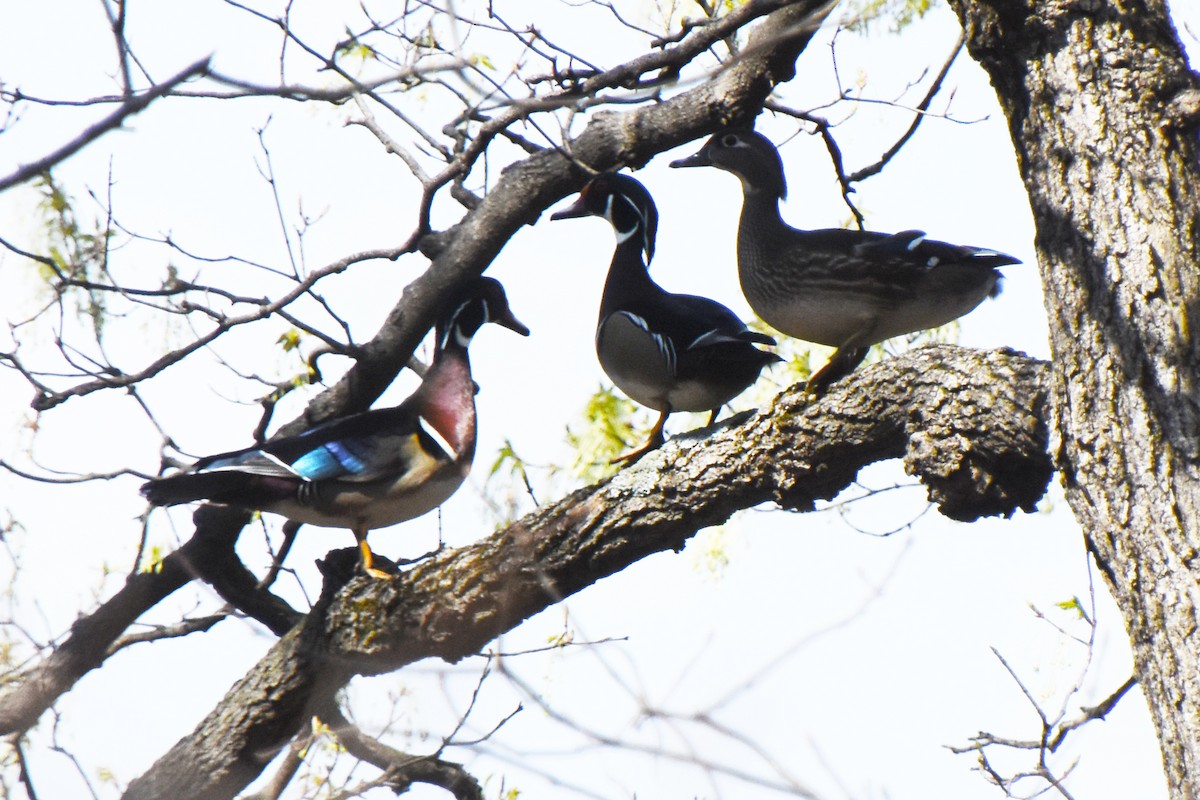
427 426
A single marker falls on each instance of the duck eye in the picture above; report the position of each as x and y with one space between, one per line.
729 140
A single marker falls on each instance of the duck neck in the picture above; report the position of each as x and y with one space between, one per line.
760 208
628 277
760 223
448 399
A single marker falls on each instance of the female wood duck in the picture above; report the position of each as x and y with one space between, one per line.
843 288
669 352
367 470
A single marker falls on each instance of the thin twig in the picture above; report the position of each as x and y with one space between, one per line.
921 109
93 132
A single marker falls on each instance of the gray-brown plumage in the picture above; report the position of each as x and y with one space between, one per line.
842 288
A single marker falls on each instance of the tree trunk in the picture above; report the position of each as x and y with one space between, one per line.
1103 113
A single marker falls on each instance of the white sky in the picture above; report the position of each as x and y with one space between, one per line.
888 640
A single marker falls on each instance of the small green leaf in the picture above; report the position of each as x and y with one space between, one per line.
290 339
561 639
607 432
1072 605
152 560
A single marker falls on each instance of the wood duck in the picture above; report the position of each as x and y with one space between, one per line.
366 470
669 352
842 288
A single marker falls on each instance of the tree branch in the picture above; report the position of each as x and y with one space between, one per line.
209 554
114 120
921 110
401 770
969 424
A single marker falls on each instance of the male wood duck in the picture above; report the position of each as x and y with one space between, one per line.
669 352
842 288
366 470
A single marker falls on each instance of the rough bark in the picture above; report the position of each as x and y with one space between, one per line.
970 425
1103 113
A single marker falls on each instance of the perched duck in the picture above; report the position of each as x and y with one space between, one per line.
367 470
669 352
842 288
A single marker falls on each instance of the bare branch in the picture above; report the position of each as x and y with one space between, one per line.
922 108
48 399
293 759
23 767
209 555
1054 728
114 120
400 770
157 632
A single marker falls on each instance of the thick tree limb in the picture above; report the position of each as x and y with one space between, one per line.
968 424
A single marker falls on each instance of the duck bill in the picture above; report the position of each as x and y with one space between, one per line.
698 159
573 211
513 324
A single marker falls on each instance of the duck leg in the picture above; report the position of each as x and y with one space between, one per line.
841 364
368 558
655 441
